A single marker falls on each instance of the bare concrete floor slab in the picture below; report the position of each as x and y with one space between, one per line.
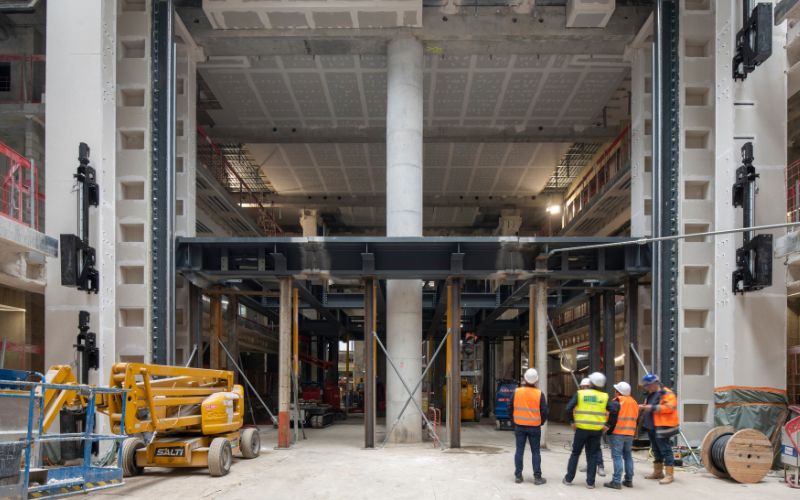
331 464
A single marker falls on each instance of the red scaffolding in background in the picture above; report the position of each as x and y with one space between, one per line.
22 200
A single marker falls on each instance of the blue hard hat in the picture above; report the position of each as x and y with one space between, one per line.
650 378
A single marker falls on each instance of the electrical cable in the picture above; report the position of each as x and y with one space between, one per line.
718 451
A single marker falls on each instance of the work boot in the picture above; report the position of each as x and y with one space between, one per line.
539 480
658 472
590 486
627 483
669 476
601 471
564 481
517 479
613 485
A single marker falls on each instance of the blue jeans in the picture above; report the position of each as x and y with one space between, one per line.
533 436
621 449
591 441
662 449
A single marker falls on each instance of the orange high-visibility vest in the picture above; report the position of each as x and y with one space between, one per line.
627 417
666 419
526 406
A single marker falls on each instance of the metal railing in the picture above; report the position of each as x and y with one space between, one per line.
22 201
210 154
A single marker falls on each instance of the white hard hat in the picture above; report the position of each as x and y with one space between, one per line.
586 382
597 379
531 376
624 388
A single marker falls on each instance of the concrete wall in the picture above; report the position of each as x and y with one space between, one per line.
81 34
134 165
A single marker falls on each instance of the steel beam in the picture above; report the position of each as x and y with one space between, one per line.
340 200
312 301
215 315
609 340
369 362
507 304
196 323
454 376
517 358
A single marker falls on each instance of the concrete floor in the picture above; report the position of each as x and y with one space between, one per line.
330 464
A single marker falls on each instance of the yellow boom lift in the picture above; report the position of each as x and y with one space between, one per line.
176 416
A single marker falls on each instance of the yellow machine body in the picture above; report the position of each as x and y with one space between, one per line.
223 411
469 403
177 451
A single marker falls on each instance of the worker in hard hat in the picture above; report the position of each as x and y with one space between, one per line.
587 412
662 423
529 411
601 470
621 431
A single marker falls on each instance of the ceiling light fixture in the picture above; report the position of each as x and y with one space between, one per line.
554 209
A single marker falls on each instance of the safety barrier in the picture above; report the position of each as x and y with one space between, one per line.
22 440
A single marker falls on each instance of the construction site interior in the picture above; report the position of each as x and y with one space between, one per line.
330 237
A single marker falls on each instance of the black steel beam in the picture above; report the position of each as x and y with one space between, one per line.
454 377
310 299
515 297
222 260
631 373
439 309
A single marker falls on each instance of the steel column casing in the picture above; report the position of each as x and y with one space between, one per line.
404 115
454 377
284 363
163 182
657 80
669 196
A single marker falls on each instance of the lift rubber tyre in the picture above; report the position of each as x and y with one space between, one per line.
250 443
129 447
220 457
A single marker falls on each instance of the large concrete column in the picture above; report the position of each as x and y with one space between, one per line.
404 218
81 34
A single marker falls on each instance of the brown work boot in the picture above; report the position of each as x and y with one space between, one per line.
669 476
658 472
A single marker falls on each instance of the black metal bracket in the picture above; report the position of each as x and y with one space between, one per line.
754 257
87 347
78 257
754 40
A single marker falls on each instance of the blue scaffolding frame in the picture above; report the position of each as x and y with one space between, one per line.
66 480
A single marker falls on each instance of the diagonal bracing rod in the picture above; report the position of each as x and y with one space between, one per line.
419 382
403 381
258 396
561 349
683 436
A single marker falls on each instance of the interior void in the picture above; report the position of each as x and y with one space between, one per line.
523 137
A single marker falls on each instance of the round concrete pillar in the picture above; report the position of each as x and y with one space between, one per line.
404 218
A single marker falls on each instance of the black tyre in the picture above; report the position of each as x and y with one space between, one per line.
129 447
220 457
250 443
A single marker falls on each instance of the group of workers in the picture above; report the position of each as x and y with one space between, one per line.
592 413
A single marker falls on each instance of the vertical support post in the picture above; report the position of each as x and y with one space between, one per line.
454 381
608 339
517 355
215 315
531 325
631 328
540 303
369 365
487 395
233 333
296 361
196 323
449 323
284 362
594 332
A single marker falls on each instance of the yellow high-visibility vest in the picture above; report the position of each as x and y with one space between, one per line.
590 412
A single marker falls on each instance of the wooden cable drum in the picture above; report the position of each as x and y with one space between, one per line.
744 456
